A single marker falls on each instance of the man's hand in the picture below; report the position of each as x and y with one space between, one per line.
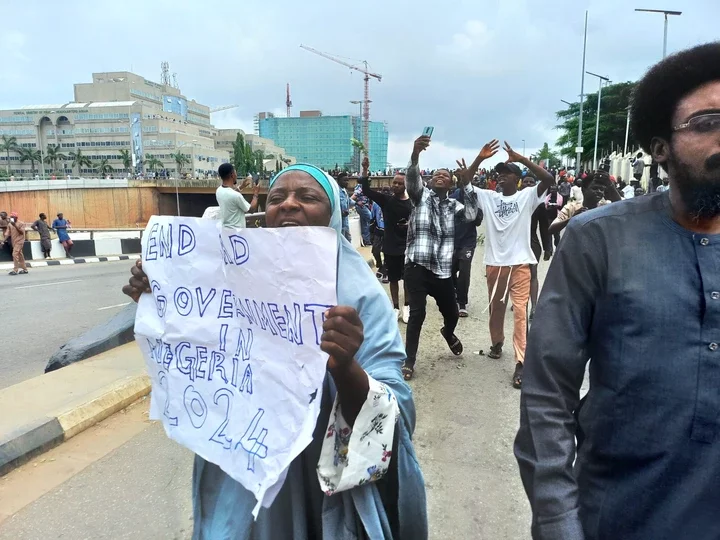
342 337
420 145
138 283
244 185
256 190
513 156
365 166
464 174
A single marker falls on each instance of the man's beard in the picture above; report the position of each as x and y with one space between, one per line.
699 194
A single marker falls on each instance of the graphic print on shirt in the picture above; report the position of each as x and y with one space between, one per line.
506 209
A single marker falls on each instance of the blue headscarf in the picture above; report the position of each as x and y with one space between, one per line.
223 508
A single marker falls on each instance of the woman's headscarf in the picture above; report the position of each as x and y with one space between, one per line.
381 356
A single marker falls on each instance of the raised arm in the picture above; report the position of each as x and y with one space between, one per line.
555 362
413 180
255 199
465 176
370 193
545 179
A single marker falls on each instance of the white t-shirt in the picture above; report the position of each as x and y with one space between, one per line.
233 207
628 192
507 224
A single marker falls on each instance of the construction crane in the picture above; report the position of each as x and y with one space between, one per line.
288 101
223 108
366 101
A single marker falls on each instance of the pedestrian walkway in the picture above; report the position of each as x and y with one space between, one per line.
77 260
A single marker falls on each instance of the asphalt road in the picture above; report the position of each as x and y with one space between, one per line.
49 306
139 488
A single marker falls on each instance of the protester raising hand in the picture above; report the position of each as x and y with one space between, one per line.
421 144
464 174
545 178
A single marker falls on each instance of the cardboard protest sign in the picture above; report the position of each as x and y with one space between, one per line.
231 338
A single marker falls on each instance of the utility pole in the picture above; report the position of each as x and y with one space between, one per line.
665 13
601 79
579 149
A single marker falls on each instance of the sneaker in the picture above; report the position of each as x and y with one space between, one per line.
406 314
23 272
397 313
385 280
462 311
378 275
517 376
12 273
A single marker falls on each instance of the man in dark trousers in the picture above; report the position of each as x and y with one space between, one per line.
638 457
396 210
431 244
465 244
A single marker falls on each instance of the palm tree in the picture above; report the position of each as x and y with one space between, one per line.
153 163
8 144
53 155
126 159
180 160
30 154
103 167
79 160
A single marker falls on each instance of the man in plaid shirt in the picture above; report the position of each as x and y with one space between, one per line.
431 243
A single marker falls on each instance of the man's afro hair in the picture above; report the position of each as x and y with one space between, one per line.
656 96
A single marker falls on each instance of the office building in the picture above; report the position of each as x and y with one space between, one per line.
120 117
325 140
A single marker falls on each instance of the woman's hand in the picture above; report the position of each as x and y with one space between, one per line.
138 283
342 337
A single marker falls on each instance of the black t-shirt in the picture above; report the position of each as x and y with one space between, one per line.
396 213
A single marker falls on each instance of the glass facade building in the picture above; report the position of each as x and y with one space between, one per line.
324 141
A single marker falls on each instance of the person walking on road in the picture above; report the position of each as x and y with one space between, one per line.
345 204
465 244
4 233
60 226
431 244
634 291
41 226
508 252
233 205
16 235
396 213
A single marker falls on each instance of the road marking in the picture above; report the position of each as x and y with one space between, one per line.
48 284
111 307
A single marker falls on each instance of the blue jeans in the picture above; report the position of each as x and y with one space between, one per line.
365 219
346 229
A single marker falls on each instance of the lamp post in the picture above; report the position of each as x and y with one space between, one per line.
579 149
601 79
360 126
627 131
665 13
523 147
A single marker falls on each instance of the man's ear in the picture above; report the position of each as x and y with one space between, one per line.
660 150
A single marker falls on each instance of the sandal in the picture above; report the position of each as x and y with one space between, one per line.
453 342
517 376
13 273
408 371
495 351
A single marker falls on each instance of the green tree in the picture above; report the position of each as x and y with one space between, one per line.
7 145
53 155
613 121
126 158
243 157
545 154
103 167
278 167
79 160
30 154
259 161
153 163
180 160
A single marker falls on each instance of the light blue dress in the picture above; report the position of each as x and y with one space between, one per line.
390 508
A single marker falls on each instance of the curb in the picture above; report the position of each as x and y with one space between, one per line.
31 440
79 260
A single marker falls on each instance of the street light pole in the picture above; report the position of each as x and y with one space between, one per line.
579 150
601 79
627 131
523 147
665 12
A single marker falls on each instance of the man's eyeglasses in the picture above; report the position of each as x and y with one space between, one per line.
704 123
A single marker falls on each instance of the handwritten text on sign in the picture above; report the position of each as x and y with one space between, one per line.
231 337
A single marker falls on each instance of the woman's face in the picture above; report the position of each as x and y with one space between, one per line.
297 200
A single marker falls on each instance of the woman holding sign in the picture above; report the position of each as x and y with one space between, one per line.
359 477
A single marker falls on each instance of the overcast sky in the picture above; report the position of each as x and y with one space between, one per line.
474 70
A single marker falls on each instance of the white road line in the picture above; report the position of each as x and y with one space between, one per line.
111 307
48 284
